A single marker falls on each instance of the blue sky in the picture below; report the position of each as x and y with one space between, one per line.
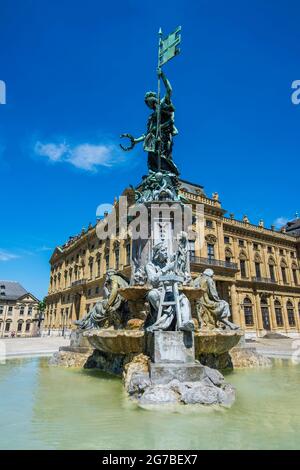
76 73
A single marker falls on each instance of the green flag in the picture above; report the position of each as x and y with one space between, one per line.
169 46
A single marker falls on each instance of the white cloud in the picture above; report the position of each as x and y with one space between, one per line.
7 256
280 221
44 248
88 156
55 152
84 156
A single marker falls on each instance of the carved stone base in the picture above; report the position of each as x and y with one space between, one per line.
163 373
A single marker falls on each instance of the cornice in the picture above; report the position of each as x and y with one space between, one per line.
236 226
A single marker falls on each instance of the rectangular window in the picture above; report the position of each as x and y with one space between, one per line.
279 318
226 240
210 251
91 270
270 250
1 309
117 258
257 270
10 310
243 268
272 272
241 243
281 252
283 272
128 253
22 310
255 246
29 311
98 267
192 249
209 223
295 277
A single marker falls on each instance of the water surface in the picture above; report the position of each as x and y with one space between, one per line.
45 407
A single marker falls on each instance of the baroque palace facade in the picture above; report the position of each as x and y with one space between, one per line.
256 269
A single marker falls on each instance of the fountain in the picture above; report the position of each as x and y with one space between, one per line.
159 328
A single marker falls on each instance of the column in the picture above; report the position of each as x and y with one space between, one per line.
272 314
234 305
220 237
296 313
284 314
259 322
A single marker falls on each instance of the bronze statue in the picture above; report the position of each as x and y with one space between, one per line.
161 291
158 140
110 311
211 309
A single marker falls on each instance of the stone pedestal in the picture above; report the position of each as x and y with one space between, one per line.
169 347
173 357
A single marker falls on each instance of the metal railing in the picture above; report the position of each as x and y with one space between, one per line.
79 282
213 262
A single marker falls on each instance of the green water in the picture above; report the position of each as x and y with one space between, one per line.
44 407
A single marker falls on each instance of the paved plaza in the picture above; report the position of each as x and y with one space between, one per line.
42 346
280 348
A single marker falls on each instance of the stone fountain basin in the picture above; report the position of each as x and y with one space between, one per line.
116 341
124 342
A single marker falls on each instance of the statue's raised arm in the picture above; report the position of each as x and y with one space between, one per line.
167 84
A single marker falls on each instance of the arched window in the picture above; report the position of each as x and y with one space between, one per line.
290 313
248 312
278 313
265 313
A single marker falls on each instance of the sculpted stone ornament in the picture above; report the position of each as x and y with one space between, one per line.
158 186
211 309
162 276
112 310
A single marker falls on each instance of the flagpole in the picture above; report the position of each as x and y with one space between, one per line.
158 130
